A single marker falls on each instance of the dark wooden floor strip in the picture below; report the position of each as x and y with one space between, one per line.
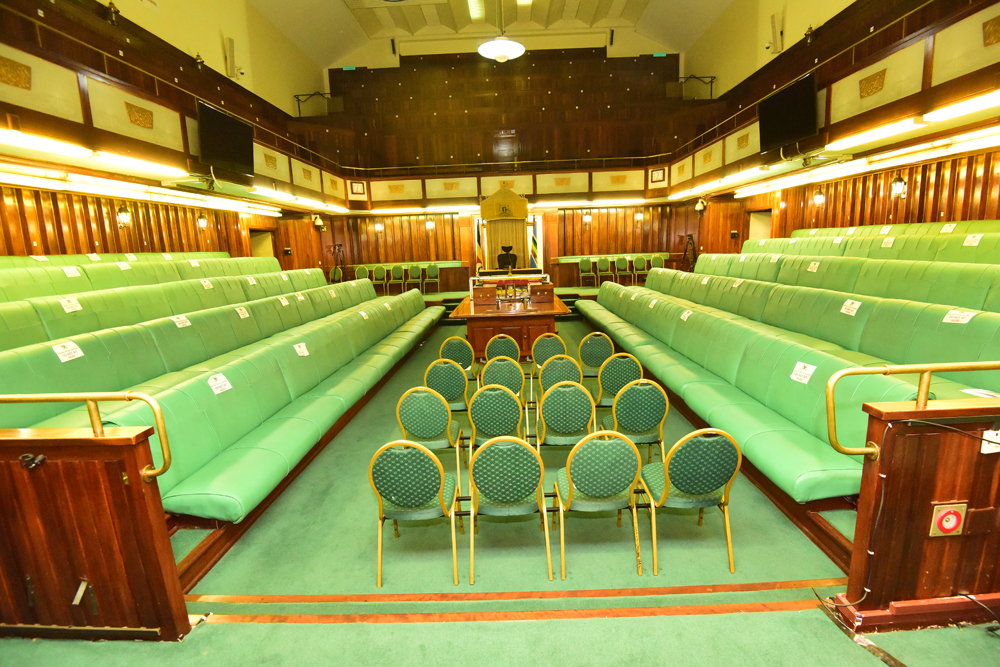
523 595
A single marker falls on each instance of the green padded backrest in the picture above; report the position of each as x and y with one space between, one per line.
504 372
290 311
586 266
378 273
423 415
504 346
596 349
266 314
976 248
17 284
506 472
397 272
218 291
639 263
962 285
325 300
459 351
301 279
560 368
603 264
567 408
716 264
890 328
432 271
414 272
93 311
546 347
192 269
617 372
608 293
874 247
262 372
746 298
104 276
729 339
183 346
640 407
756 266
656 261
133 355
447 380
834 273
822 314
692 337
17 261
604 468
361 272
355 332
916 248
935 341
307 357
703 464
407 477
621 264
20 326
686 285
494 412
253 287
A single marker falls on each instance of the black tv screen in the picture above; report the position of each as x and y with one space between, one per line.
789 115
226 141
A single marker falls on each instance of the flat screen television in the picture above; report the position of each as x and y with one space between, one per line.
226 141
789 115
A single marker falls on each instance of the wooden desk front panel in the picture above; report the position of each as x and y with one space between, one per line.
523 329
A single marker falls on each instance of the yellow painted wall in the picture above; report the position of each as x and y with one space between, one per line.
732 48
275 68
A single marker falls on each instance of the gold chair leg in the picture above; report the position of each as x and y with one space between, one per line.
701 516
472 553
454 548
652 515
619 518
542 517
555 522
562 541
395 528
729 539
548 547
649 455
635 532
378 569
475 524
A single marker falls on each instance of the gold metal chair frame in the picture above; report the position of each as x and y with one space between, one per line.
465 394
540 430
567 506
472 438
583 340
516 344
472 353
474 493
449 511
614 413
617 355
454 443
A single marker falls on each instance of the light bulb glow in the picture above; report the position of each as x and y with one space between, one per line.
965 107
874 135
501 49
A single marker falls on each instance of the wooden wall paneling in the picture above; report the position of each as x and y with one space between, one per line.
303 238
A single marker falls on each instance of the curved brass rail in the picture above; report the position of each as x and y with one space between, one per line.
149 473
923 393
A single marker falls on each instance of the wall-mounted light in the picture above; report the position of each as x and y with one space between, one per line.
810 33
113 12
587 217
700 205
429 225
898 186
638 217
378 228
198 60
203 220
819 198
124 216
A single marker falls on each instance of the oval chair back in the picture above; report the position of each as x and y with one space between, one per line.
448 379
494 411
432 271
586 266
656 261
559 368
614 374
378 274
638 263
360 272
337 275
397 272
424 417
602 465
460 351
414 272
503 345
595 349
545 347
621 264
566 414
639 411
505 372
603 264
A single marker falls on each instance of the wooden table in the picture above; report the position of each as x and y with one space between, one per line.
524 322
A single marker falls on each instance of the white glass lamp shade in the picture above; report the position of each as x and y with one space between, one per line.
501 49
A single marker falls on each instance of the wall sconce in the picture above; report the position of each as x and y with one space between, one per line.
124 216
378 228
898 186
819 198
809 35
700 205
113 12
202 220
638 217
429 225
198 60
587 217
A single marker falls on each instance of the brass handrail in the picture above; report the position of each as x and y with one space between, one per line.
149 473
923 392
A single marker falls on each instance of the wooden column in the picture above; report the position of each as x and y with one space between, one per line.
917 579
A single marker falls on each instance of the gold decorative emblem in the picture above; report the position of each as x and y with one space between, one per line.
307 175
507 184
139 116
15 74
503 209
619 179
680 169
991 31
742 141
451 186
334 184
562 181
270 161
871 84
396 188
707 158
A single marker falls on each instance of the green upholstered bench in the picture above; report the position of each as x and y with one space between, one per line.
908 229
21 261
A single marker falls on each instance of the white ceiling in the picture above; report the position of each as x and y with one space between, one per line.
329 30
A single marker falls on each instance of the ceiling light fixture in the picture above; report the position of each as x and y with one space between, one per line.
500 48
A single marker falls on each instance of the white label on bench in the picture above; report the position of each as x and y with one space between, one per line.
793 240
683 276
981 393
949 228
299 296
633 296
333 295
251 280
959 316
219 384
762 241
715 256
167 256
71 271
301 350
207 284
67 351
686 314
388 307
813 267
813 232
704 281
838 239
284 276
180 320
70 305
94 257
194 262
991 442
242 312
306 271
130 257
774 258
850 307
351 283
652 303
363 314
39 258
803 372
851 230
973 239
743 258
124 266
885 229
283 300
888 241
739 281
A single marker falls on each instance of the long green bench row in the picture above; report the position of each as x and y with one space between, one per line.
907 229
48 318
23 283
978 248
19 261
734 349
975 286
246 392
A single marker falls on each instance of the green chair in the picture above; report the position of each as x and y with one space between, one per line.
615 373
544 348
621 269
601 474
586 271
505 479
604 269
414 275
639 411
433 276
656 262
395 278
595 349
566 414
460 351
639 269
494 412
336 274
697 472
378 277
448 379
503 345
505 372
410 485
558 368
424 418
360 272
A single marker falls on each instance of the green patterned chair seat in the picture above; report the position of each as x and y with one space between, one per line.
652 475
442 442
584 503
429 510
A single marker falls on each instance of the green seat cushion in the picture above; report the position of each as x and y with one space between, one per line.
429 510
439 443
639 438
520 507
653 476
584 503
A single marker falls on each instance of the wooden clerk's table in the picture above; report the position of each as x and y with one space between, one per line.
524 322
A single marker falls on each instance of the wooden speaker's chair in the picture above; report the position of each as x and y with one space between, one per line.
697 472
544 348
586 272
639 411
411 485
433 276
414 275
615 373
460 351
639 269
621 269
395 277
601 475
360 272
505 479
494 412
503 345
449 379
424 418
604 270
378 277
595 349
566 415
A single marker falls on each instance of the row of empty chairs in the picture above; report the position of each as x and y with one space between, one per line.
400 276
631 266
